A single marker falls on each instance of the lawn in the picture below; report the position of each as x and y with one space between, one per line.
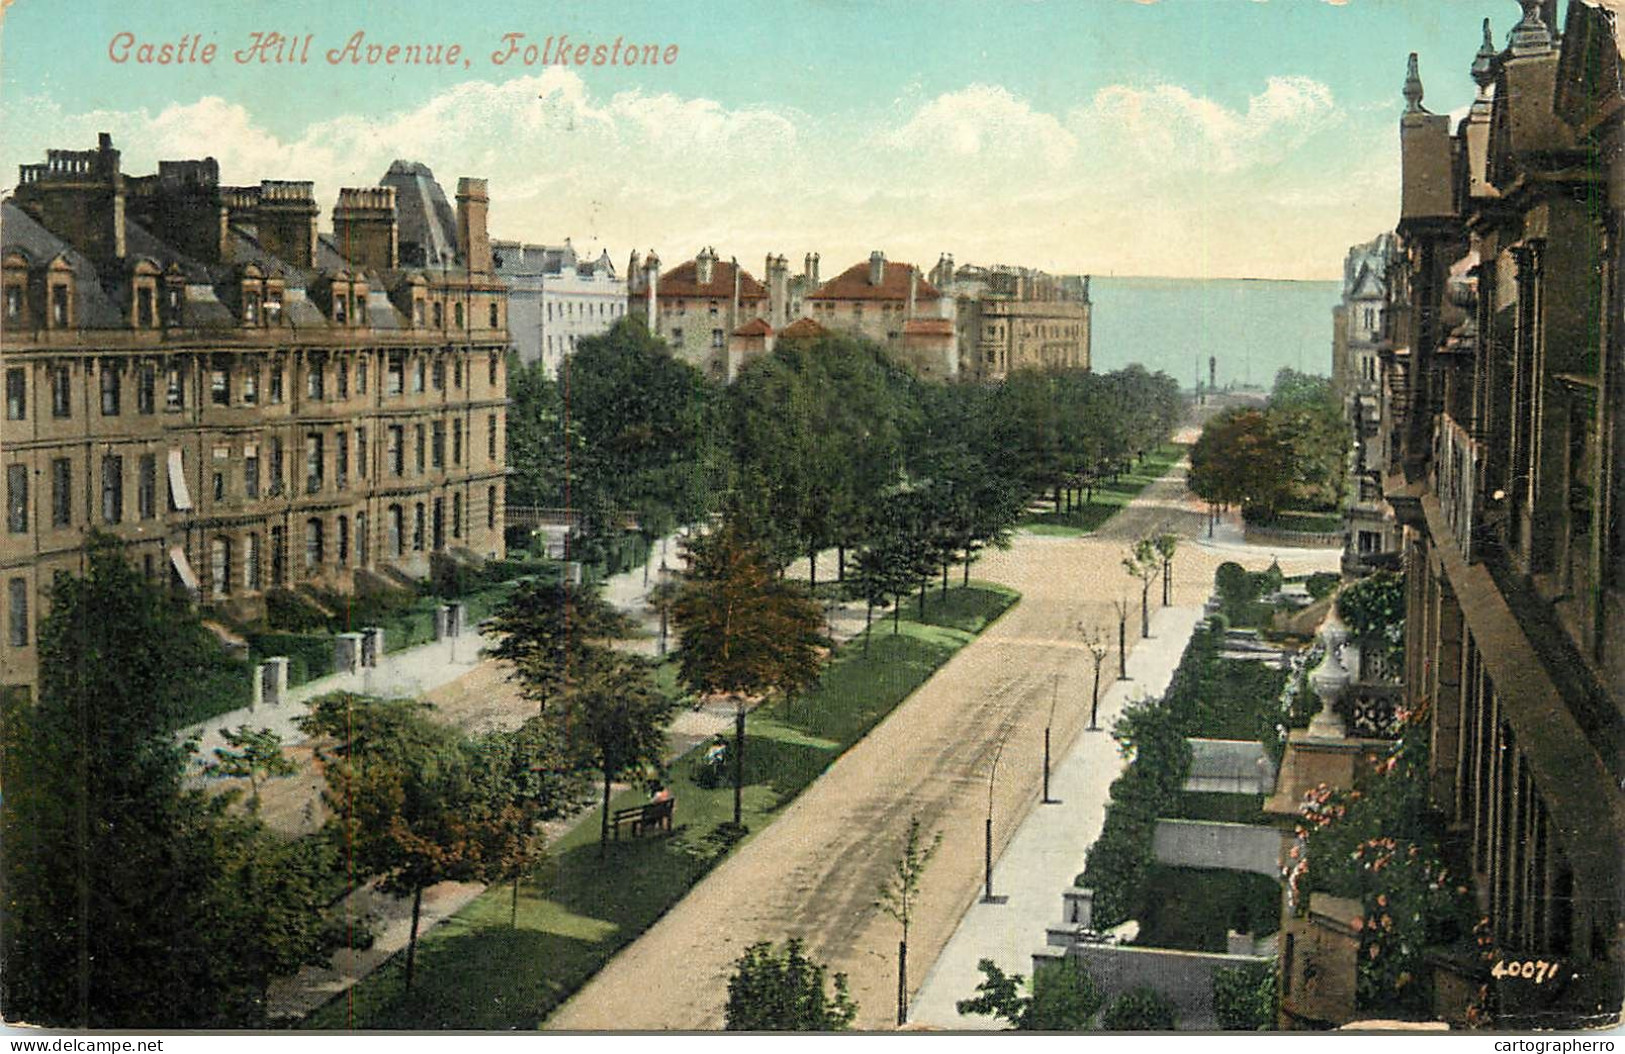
487 968
1221 807
1192 908
1108 497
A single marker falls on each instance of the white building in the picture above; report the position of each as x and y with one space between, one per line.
555 298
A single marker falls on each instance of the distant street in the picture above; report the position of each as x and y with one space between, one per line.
814 873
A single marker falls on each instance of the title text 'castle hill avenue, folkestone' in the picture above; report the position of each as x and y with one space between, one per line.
271 48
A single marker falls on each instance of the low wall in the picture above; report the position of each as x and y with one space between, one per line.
1183 978
1238 766
1293 539
1209 844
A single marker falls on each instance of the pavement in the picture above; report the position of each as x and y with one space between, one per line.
1047 851
815 872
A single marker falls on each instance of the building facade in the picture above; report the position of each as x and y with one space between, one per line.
556 298
696 306
1013 318
1357 327
246 403
1502 380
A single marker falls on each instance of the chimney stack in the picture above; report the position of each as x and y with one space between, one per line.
365 228
705 266
733 315
473 239
79 195
877 267
810 269
286 221
913 290
651 281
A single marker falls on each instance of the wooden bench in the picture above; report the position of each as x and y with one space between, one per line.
655 815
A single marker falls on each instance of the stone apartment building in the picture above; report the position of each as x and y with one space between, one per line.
697 306
895 306
1357 325
1502 376
247 403
556 297
1012 318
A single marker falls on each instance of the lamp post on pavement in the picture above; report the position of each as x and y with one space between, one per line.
1055 694
987 854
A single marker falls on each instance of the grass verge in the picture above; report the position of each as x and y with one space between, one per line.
1108 497
491 967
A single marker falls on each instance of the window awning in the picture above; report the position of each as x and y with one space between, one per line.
177 482
177 557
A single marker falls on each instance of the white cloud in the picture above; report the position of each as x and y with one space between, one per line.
1119 183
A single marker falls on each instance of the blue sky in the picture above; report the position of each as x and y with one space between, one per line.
1178 137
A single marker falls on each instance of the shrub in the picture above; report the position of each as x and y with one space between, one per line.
1064 997
1323 584
1139 1010
287 610
780 991
1244 997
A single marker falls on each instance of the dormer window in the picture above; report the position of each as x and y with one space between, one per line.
273 305
340 314
14 303
59 305
251 308
417 312
172 306
361 308
144 308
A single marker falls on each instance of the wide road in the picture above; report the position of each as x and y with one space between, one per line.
814 872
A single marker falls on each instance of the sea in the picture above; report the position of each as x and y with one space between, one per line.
1250 327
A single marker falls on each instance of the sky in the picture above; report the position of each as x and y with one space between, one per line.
1182 138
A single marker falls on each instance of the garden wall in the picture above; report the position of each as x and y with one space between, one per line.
1184 978
1230 846
1238 766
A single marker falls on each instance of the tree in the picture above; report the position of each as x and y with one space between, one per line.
254 756
1145 562
645 420
1139 1010
614 719
783 991
408 800
125 900
1064 997
1240 459
746 632
1095 642
544 444
547 630
1166 545
897 898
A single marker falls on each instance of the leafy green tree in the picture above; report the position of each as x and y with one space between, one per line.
408 800
124 889
252 755
1139 1010
544 444
746 632
1145 562
898 896
1064 998
645 421
614 720
785 991
547 630
1239 459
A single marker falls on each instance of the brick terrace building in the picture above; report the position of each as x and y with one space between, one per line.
247 403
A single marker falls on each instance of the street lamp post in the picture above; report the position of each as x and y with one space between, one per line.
987 853
1053 698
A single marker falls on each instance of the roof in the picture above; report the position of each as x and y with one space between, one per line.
425 218
802 327
756 327
683 280
93 308
928 327
853 284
